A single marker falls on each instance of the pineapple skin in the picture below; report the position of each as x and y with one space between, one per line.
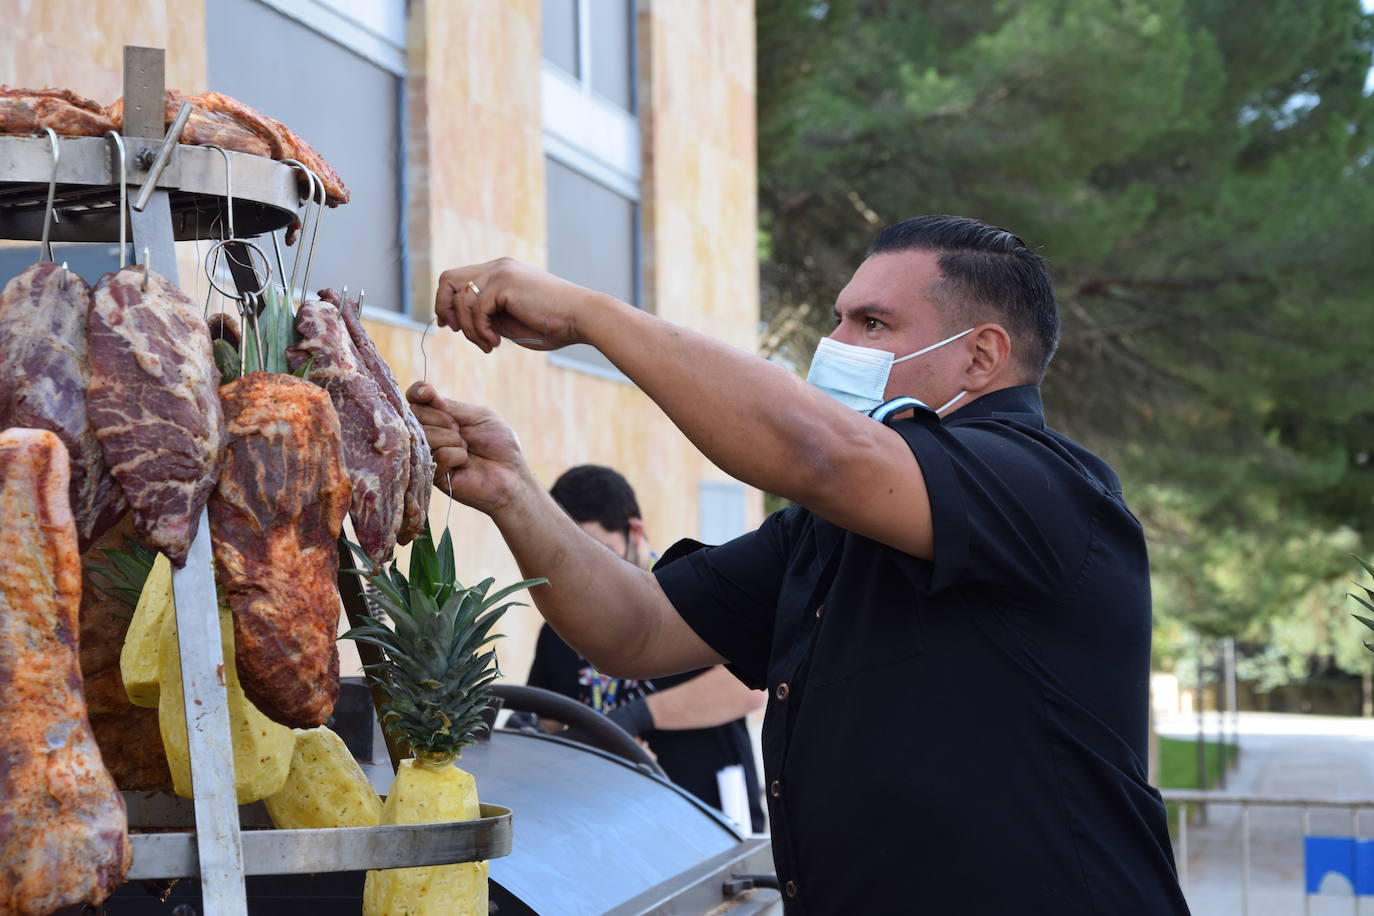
262 748
421 795
138 659
325 786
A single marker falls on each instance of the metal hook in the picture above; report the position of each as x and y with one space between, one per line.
315 196
217 250
65 275
49 213
146 258
123 197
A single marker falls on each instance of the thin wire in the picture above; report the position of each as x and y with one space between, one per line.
424 380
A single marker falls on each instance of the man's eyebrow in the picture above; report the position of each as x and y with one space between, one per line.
868 308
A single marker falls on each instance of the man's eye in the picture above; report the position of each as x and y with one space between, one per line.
872 324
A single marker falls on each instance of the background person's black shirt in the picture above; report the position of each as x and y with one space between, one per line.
964 735
691 757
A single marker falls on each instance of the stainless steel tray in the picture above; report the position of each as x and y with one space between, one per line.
285 852
266 192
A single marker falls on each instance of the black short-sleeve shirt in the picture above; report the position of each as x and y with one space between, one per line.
963 735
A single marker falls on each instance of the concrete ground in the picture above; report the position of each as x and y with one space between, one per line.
1314 757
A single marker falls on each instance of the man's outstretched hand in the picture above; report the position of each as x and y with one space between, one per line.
513 301
476 455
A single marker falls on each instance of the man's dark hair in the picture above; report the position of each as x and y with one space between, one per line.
986 269
592 493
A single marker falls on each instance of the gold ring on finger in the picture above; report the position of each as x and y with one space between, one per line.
473 286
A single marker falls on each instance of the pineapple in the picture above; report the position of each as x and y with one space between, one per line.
435 674
262 748
325 786
138 660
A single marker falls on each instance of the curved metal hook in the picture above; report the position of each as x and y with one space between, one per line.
123 197
49 213
317 197
213 255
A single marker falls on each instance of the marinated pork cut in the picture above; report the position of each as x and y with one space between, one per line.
63 826
421 481
154 402
28 111
202 127
275 518
376 443
44 361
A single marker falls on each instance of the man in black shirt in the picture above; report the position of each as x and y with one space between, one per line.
692 722
953 621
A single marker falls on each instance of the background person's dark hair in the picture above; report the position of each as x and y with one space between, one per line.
592 493
986 269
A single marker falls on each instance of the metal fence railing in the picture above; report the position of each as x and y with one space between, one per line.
1188 798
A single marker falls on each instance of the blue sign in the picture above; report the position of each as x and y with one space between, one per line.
1342 856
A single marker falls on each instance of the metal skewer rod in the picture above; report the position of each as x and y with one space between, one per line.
50 214
123 197
164 154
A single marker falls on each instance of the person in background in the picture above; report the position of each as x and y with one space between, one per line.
693 722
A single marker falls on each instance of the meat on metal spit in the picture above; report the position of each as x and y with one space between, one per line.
44 359
28 111
63 825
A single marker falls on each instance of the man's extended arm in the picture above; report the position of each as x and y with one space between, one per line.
713 697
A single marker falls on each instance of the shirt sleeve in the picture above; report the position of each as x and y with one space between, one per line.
1011 511
729 594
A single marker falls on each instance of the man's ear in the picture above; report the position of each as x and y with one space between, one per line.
989 357
637 535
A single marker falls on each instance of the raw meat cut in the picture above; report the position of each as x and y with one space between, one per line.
275 518
376 443
63 826
421 481
44 360
28 111
154 403
202 127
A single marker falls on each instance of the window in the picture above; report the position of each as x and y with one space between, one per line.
333 71
592 153
722 512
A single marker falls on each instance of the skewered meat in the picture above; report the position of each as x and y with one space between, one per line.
44 358
128 736
154 403
203 127
275 517
220 119
376 442
63 827
421 481
28 111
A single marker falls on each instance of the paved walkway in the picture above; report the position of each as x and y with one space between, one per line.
1288 755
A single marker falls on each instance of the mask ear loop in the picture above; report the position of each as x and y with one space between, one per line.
934 346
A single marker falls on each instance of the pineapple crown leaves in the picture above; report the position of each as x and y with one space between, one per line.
127 570
1367 602
437 664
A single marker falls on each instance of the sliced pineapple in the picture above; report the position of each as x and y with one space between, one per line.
262 748
425 795
138 660
325 787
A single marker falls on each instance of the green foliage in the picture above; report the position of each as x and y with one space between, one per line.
274 326
125 571
1200 176
437 664
1367 602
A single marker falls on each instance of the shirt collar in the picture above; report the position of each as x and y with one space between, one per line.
1020 402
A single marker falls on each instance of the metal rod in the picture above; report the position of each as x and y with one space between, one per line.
1183 846
164 155
123 197
1245 860
1306 832
1193 797
50 214
146 258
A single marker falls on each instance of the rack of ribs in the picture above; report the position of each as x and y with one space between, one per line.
154 402
44 356
275 518
63 826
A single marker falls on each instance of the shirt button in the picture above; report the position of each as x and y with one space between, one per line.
819 608
782 691
791 888
775 788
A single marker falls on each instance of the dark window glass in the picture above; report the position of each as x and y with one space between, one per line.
560 33
592 233
612 55
345 106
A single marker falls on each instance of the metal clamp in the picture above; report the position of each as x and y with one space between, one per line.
164 154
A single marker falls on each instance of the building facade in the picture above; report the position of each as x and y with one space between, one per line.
609 140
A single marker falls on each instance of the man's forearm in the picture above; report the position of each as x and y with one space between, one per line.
709 699
610 611
756 421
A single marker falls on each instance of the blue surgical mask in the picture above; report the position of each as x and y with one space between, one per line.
857 376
